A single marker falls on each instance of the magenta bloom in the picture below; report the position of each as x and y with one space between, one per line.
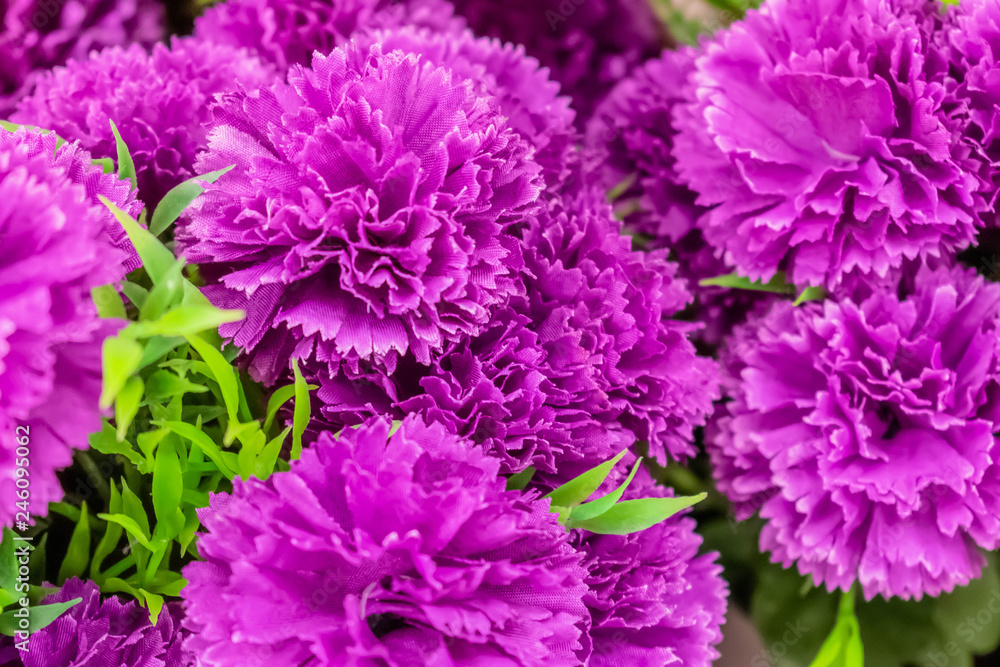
56 249
36 35
159 102
632 136
653 600
287 32
588 46
368 215
845 154
381 549
523 91
584 365
864 433
107 633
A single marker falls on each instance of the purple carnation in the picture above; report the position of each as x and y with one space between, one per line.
160 103
107 633
974 32
632 136
653 600
368 215
37 35
287 32
588 46
523 91
565 377
864 433
55 250
395 549
828 147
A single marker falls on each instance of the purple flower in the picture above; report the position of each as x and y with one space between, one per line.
828 147
523 91
632 135
287 32
55 250
588 46
565 377
159 102
863 432
974 32
368 215
96 632
653 600
394 549
37 35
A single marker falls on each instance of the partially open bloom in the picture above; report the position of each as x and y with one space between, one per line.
107 631
36 35
288 32
863 432
391 546
829 147
368 216
159 102
652 599
55 250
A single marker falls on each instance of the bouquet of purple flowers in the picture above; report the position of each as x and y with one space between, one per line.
447 333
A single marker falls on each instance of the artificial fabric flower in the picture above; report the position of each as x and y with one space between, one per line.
288 32
652 599
829 147
159 101
56 249
37 35
369 213
386 544
863 431
588 46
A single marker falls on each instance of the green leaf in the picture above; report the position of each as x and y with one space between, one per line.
186 321
119 361
268 457
603 504
109 303
200 438
109 540
632 516
136 294
156 258
222 372
127 405
164 384
130 526
107 164
252 441
78 553
106 441
302 412
810 294
132 507
776 285
38 618
158 347
179 198
126 168
278 398
168 485
519 481
842 647
166 292
8 561
582 487
154 603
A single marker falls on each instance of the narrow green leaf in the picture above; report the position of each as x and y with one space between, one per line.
810 294
137 294
154 603
302 412
156 257
268 457
158 347
633 516
168 485
186 321
38 618
132 507
126 168
222 372
278 398
843 647
776 285
75 562
200 438
109 303
252 442
8 562
130 526
580 488
164 384
166 293
179 198
519 481
107 164
127 405
119 360
604 503
109 540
